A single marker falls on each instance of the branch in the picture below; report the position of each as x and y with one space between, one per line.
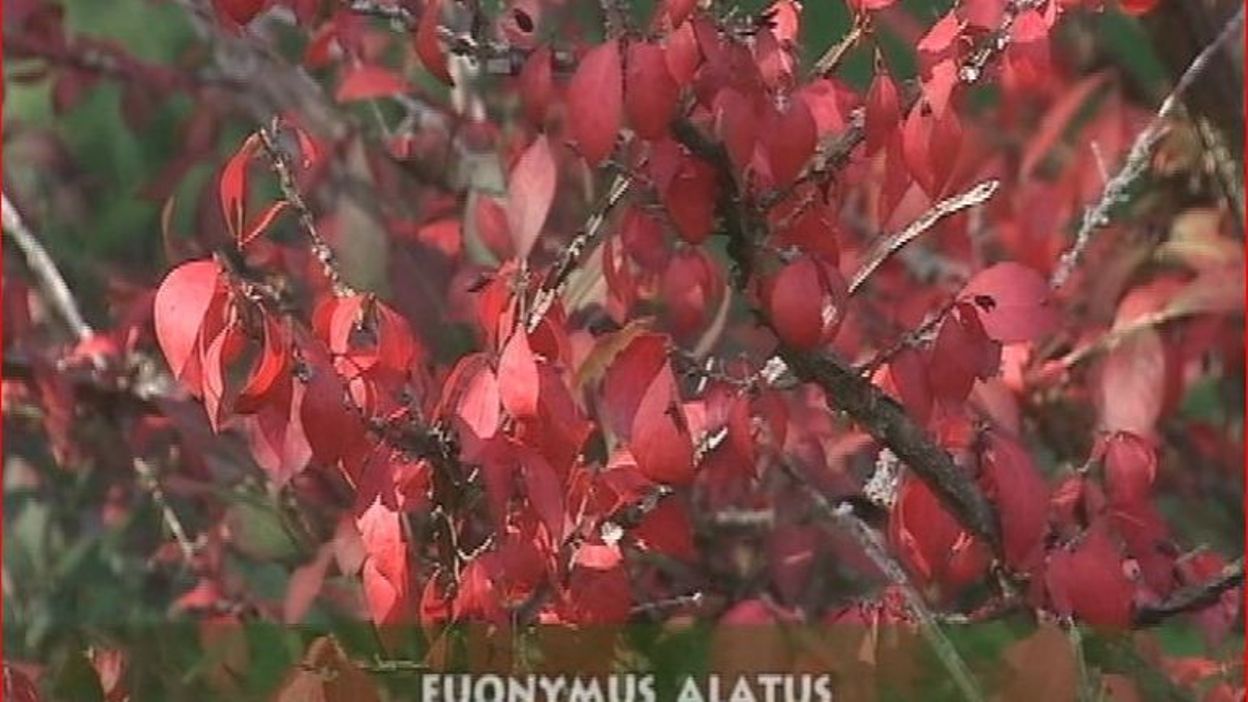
45 271
888 423
842 517
280 162
995 43
843 388
1115 192
925 332
830 61
886 246
554 282
104 60
1192 597
147 477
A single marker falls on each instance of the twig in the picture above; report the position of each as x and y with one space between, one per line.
390 12
109 62
148 478
554 282
830 159
1115 192
869 540
888 245
1084 689
691 600
1117 335
45 271
280 161
1193 597
995 43
910 339
831 59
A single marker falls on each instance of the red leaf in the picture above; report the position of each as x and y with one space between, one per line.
517 377
271 365
791 142
368 82
628 378
869 5
660 440
595 100
690 200
304 586
1022 499
737 123
1131 388
667 529
599 596
984 14
218 364
1138 7
909 375
545 493
916 138
275 433
426 40
236 13
1089 583
530 191
650 91
330 427
480 405
682 53
795 304
883 111
387 580
537 85
962 353
179 308
675 11
1014 302
930 541
940 37
232 189
1130 467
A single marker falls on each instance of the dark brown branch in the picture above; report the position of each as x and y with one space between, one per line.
869 406
887 421
1193 597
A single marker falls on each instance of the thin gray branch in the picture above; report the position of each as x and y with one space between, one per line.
888 245
1115 192
869 540
45 271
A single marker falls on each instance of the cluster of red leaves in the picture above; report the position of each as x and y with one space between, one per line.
524 406
564 421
